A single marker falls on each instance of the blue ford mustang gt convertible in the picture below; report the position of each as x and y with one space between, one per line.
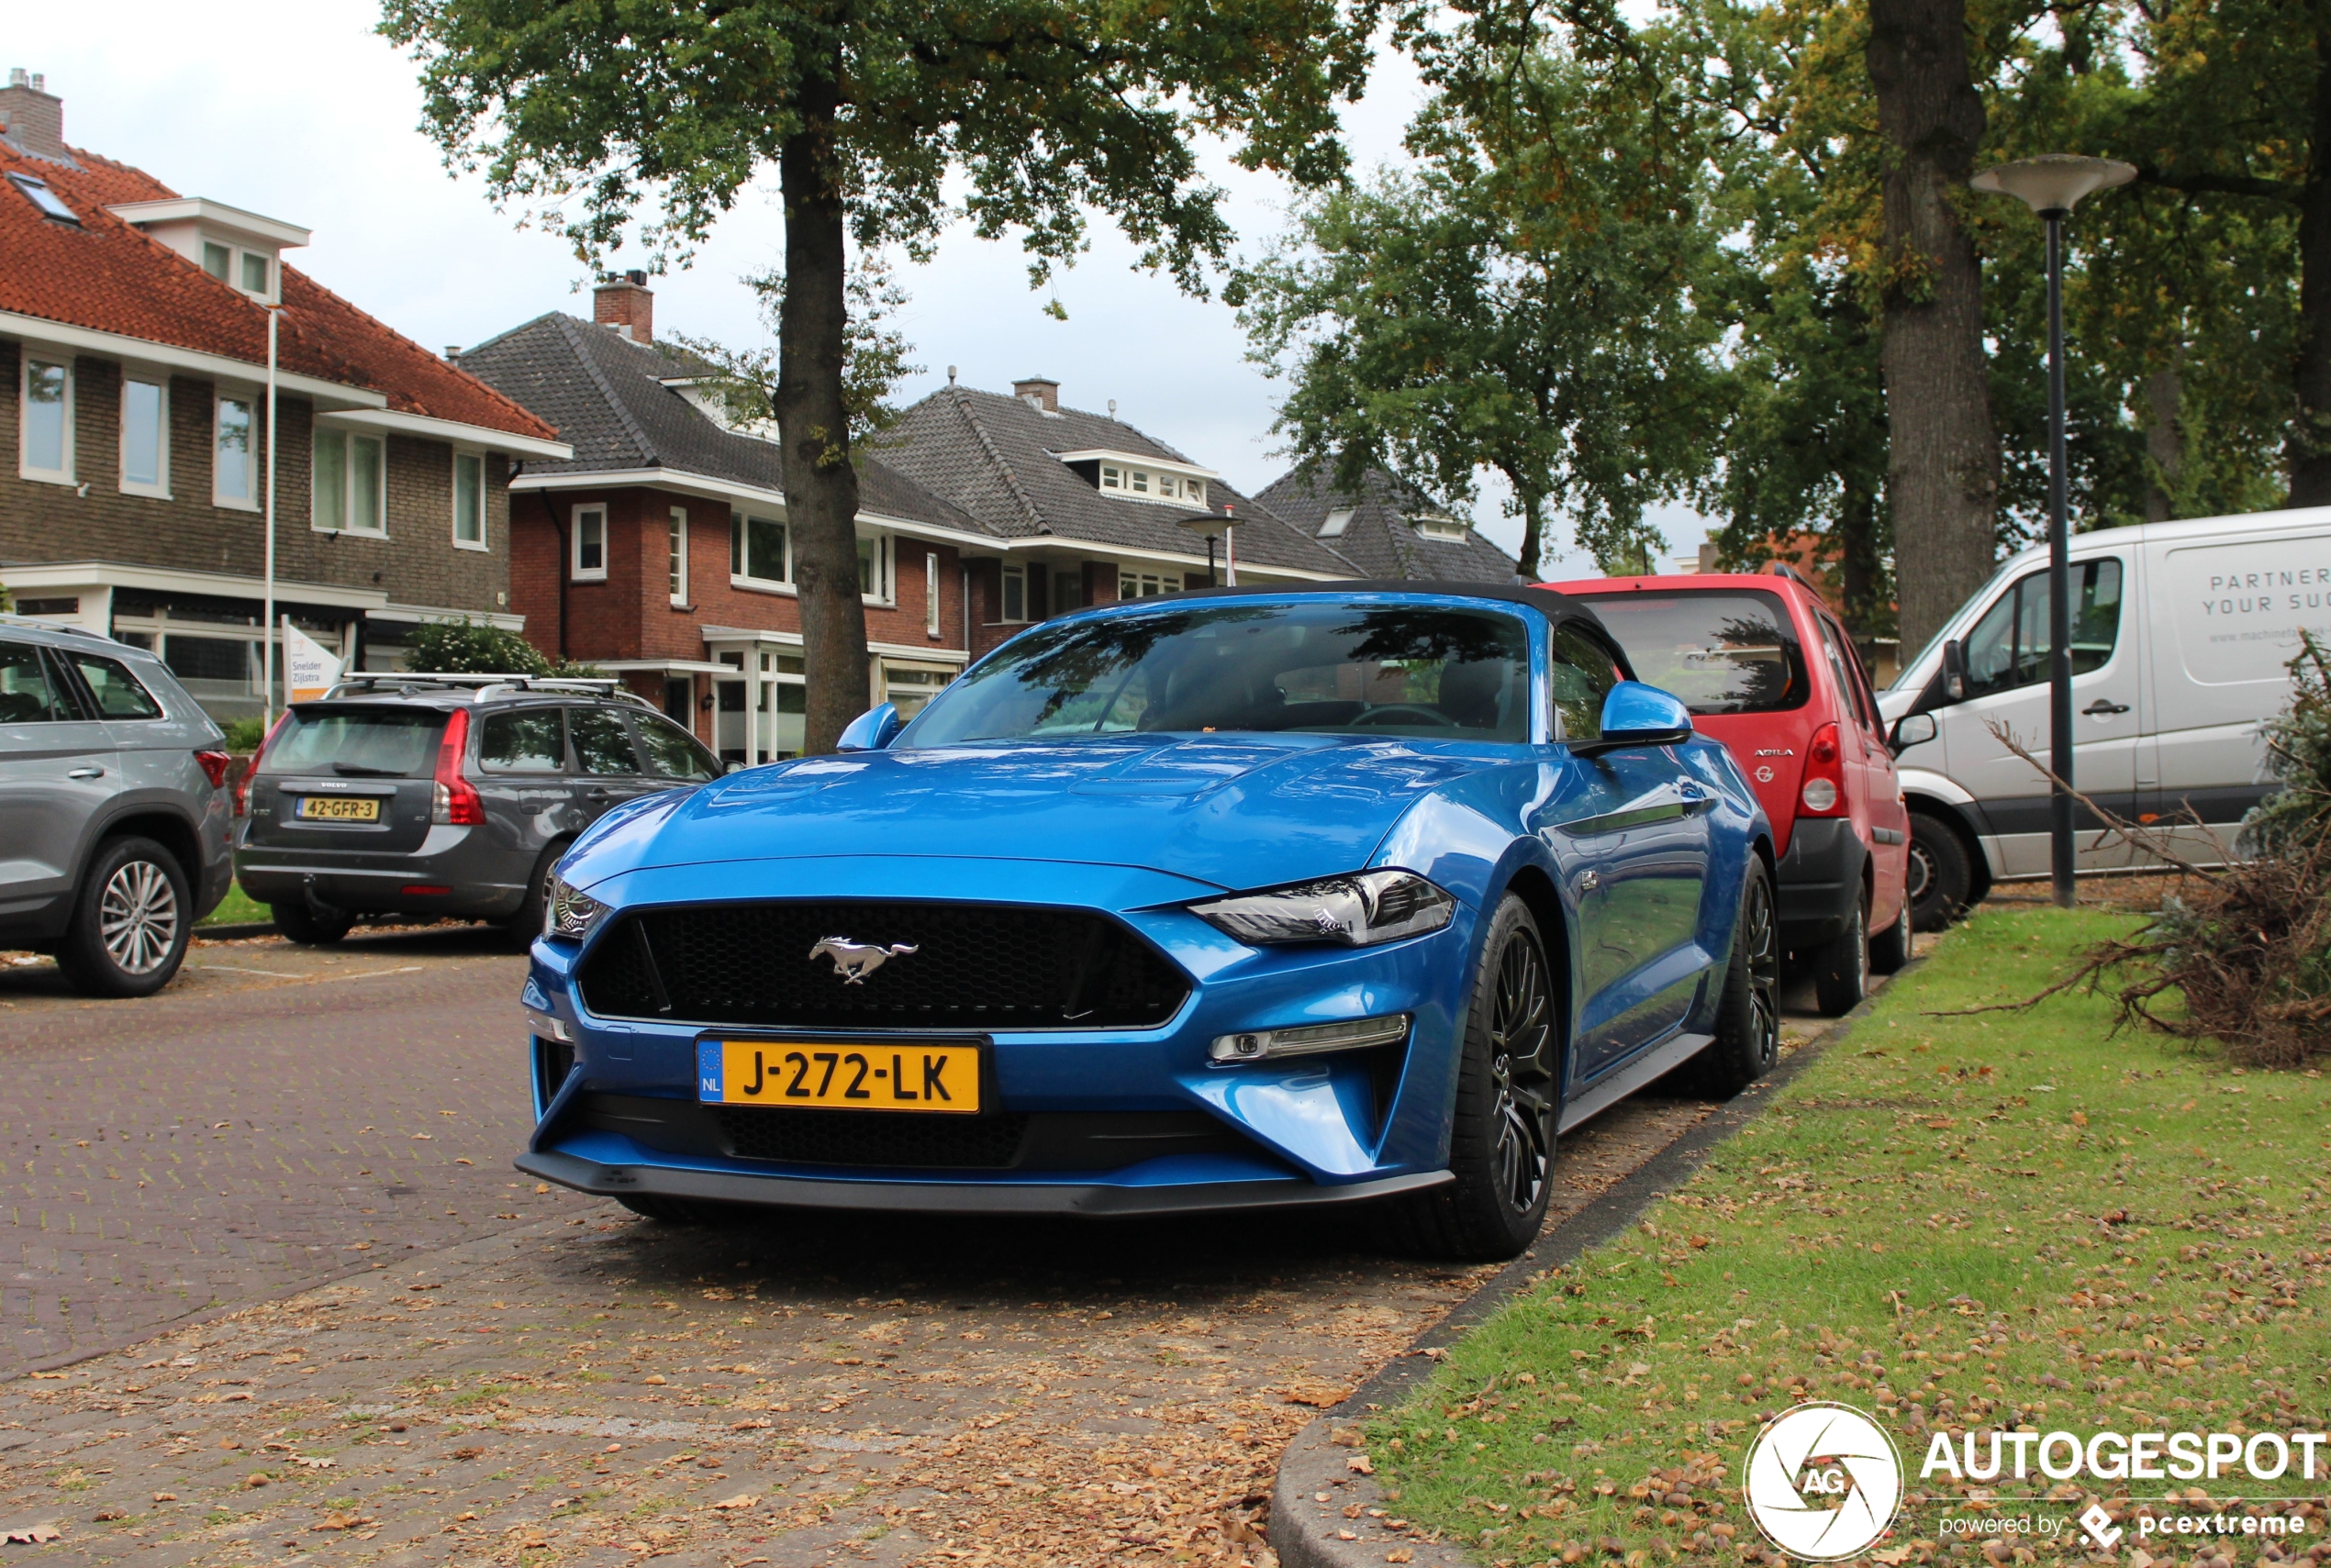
1239 899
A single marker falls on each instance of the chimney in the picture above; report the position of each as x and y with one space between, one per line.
626 304
30 117
1042 393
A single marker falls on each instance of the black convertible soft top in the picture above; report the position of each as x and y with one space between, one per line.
1558 608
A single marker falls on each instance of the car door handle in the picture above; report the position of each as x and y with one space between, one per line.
595 795
1695 794
2100 708
86 773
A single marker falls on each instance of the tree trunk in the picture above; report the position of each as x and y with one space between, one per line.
1942 478
821 482
2310 446
2164 442
1533 508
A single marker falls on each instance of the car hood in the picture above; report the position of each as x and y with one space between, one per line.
1232 811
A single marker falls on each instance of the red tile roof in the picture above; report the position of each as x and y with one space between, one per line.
109 276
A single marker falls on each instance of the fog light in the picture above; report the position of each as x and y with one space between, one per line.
1309 1040
1820 795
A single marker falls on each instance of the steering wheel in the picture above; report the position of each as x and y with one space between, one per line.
1411 712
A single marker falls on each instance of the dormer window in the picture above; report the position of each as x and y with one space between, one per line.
1126 475
240 249
1436 524
249 270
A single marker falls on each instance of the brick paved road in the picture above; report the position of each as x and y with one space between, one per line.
230 1141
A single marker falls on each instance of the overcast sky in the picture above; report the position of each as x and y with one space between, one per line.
300 111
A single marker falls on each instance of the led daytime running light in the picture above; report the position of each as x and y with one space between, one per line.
1309 1040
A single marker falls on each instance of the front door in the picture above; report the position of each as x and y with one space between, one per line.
604 757
2007 663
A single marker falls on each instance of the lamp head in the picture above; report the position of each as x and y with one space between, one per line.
2054 181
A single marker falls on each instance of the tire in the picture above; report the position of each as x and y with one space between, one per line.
1890 948
303 925
130 921
1840 966
1942 873
1747 1041
527 924
1508 1101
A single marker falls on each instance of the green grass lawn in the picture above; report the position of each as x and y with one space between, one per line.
2000 1221
235 908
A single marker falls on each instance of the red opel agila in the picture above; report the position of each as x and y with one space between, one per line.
1767 670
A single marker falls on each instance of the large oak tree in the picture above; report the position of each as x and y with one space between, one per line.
604 115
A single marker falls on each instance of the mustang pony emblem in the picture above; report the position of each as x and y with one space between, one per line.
854 961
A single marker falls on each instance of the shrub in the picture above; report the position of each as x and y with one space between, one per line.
466 647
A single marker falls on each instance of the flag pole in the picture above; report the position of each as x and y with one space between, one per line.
267 620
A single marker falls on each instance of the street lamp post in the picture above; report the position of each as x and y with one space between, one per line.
2052 185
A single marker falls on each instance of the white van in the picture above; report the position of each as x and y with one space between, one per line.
2181 635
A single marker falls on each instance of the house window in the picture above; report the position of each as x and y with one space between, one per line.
144 444
1141 481
231 472
930 594
1068 592
216 260
875 577
48 421
675 556
37 193
254 272
1337 521
350 475
1109 477
590 544
1015 605
469 500
758 551
1143 585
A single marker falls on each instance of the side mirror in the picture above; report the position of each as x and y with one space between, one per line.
1637 714
1953 671
731 766
871 731
1912 730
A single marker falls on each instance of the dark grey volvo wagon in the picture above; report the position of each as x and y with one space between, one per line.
413 794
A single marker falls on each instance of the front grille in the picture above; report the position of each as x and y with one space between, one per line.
873 1138
974 966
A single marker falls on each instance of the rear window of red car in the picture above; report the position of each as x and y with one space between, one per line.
1721 652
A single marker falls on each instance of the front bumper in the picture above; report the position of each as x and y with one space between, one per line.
1820 880
1333 1127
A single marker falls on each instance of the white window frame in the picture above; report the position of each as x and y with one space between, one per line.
25 470
884 589
576 571
675 556
250 404
738 579
1010 575
1112 477
483 542
157 488
1161 583
931 593
348 440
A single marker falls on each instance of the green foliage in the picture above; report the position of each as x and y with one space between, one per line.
745 380
245 734
1519 302
1047 111
2297 817
467 647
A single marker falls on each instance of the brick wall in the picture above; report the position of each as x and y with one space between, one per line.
416 563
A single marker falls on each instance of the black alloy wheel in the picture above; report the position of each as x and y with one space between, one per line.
1747 1042
1508 1104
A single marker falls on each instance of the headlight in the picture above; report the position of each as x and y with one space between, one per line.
569 912
1353 911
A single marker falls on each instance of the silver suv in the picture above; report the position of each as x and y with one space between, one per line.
115 822
445 795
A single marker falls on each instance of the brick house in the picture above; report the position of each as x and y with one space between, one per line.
660 550
133 397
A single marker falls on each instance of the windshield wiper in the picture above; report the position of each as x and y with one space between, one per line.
358 771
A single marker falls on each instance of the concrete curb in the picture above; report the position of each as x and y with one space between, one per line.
1303 1530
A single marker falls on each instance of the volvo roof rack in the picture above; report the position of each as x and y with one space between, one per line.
483 685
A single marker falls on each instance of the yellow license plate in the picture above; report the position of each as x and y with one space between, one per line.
835 1075
339 808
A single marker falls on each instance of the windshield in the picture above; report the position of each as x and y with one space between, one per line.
1721 652
1317 667
367 742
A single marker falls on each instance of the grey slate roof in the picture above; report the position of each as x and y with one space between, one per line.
605 394
1378 539
994 456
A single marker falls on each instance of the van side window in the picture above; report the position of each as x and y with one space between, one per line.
1580 677
2008 648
